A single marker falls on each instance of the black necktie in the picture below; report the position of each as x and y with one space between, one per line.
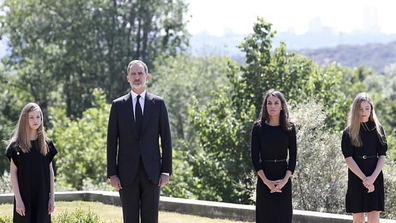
138 115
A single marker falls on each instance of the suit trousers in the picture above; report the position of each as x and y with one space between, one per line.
140 198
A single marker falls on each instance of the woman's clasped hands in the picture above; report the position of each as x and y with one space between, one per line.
368 182
276 185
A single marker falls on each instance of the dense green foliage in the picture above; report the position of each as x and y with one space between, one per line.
12 100
77 45
221 172
81 144
177 80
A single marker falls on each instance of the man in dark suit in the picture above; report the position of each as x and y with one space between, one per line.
135 165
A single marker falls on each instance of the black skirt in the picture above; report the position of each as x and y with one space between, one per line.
274 207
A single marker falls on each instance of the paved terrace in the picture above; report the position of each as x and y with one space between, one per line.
199 208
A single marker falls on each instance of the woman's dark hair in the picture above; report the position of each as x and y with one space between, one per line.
284 119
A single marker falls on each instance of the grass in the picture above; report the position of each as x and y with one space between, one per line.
111 213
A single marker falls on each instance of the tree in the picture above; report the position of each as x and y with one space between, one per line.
299 78
335 86
177 80
12 100
81 45
221 163
223 126
81 144
264 69
383 87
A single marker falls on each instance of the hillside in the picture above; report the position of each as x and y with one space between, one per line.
373 50
349 53
376 56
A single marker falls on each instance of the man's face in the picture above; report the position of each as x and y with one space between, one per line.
137 78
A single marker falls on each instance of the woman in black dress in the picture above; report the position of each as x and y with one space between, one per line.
273 140
32 175
364 148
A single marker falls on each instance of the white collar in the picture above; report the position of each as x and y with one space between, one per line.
142 95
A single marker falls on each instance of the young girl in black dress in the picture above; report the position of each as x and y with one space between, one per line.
273 139
32 175
364 147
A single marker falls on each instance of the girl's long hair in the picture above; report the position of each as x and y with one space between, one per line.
284 119
354 121
21 133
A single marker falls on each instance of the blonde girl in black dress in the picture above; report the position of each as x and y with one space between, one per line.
32 175
364 147
274 151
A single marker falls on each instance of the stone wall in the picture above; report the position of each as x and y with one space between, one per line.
199 208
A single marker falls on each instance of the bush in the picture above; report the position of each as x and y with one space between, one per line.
5 182
78 216
389 171
320 179
5 219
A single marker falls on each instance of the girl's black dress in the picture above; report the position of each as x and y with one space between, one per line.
270 147
34 181
357 198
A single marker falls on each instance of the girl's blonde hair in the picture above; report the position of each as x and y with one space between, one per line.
354 121
21 133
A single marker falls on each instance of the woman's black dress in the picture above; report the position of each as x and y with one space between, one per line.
270 143
357 198
33 181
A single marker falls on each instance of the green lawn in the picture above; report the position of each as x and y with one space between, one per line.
110 213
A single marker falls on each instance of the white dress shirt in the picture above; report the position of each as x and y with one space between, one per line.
141 100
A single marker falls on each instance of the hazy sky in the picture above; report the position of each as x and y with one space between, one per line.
215 16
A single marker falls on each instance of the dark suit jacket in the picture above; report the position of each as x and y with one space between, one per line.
124 145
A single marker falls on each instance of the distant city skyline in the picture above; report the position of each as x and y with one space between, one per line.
291 19
217 17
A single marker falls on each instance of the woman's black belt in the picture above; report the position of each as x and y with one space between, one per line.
274 161
366 157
